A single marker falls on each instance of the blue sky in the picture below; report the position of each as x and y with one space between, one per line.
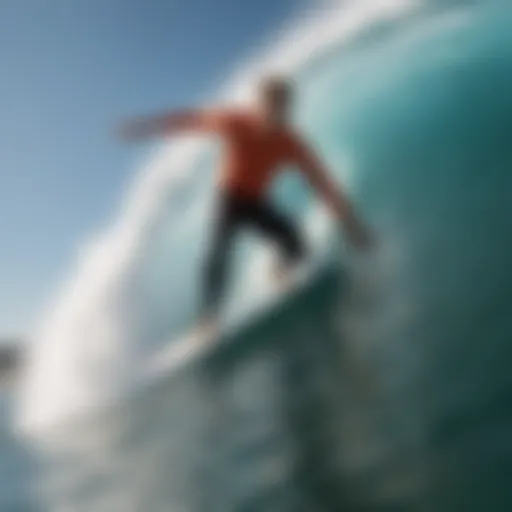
70 69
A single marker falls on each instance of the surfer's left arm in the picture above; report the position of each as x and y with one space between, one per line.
333 195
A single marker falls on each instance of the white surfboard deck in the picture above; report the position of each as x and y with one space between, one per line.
182 349
178 351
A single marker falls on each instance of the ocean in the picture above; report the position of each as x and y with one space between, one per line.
382 384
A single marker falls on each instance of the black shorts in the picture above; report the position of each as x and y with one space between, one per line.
234 213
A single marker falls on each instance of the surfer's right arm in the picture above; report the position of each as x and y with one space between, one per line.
206 121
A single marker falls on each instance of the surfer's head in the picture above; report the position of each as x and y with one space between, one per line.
275 99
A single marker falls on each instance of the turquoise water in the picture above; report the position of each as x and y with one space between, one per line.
417 115
426 120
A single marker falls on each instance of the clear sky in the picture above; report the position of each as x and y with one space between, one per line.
69 70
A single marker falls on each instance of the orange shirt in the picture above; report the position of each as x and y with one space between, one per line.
253 154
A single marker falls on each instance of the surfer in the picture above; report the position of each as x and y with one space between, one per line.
258 141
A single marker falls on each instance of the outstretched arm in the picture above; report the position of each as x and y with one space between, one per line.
174 122
355 230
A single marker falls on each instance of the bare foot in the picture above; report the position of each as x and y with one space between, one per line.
282 275
206 328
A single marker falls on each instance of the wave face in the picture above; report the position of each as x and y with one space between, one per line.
136 285
413 106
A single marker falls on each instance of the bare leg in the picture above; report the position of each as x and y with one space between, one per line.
217 265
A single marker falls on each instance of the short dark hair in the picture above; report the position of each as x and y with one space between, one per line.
276 85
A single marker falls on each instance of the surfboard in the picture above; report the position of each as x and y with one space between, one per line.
179 351
189 346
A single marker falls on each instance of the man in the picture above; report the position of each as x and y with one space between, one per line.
257 143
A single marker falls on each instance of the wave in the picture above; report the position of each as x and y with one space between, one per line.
421 122
132 288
